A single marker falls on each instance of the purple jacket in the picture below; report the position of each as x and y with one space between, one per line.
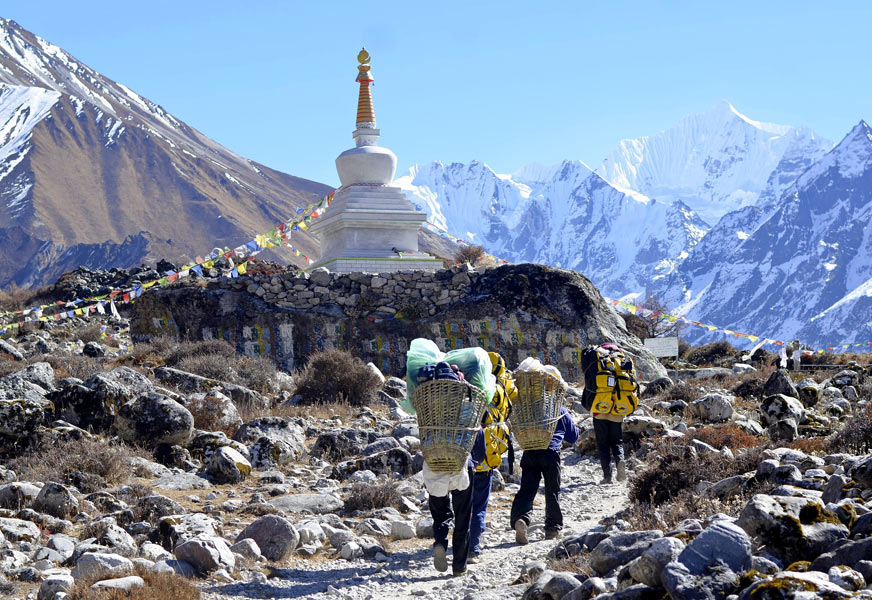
566 431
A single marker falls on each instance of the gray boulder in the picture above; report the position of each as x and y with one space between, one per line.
395 460
779 407
119 584
173 530
780 383
862 472
620 548
206 554
791 585
17 495
97 564
222 412
285 441
681 584
154 419
312 503
647 568
848 554
56 500
226 465
275 536
722 542
714 407
783 430
53 584
19 530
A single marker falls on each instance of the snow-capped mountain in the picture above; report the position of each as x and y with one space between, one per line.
566 216
800 267
93 173
714 162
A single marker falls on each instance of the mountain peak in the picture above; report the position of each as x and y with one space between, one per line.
724 108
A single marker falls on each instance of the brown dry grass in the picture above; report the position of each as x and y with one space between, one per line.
370 496
86 333
158 586
643 516
66 364
576 563
718 354
57 460
337 376
725 435
16 298
854 435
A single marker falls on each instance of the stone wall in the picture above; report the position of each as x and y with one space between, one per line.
517 310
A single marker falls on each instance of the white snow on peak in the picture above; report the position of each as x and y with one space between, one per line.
852 157
21 108
715 162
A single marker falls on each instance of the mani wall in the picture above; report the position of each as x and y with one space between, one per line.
516 310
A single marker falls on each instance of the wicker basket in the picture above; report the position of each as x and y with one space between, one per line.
536 410
449 416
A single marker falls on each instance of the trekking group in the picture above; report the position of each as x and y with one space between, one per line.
461 497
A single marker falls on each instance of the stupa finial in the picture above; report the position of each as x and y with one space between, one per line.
365 111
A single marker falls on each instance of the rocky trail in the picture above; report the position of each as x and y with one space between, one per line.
408 572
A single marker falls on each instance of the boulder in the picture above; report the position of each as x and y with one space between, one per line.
173 530
154 419
284 441
783 430
94 350
120 584
56 500
247 549
648 566
681 584
96 564
223 414
779 407
206 554
862 472
620 548
791 585
226 465
395 460
53 584
849 554
780 383
791 528
275 536
714 407
21 418
19 530
17 495
722 542
311 503
94 405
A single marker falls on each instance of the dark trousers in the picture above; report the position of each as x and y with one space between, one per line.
481 489
536 465
609 443
441 510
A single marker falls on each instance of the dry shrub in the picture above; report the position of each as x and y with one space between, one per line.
337 376
469 253
578 564
809 446
8 365
644 516
683 390
676 469
730 436
16 298
86 333
66 364
854 435
370 496
67 460
158 586
182 350
714 355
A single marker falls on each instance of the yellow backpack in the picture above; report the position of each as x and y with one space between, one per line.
496 430
610 381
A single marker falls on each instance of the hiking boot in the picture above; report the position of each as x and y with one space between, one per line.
439 559
521 533
606 480
459 573
473 558
622 470
552 534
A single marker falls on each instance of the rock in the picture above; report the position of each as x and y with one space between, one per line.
40 373
681 584
116 539
18 530
206 554
17 495
395 460
154 419
722 542
375 369
374 527
275 536
285 441
154 553
94 564
714 407
791 528
728 487
592 587
94 350
380 445
848 554
809 393
846 578
780 383
621 548
21 418
778 407
247 549
121 584
862 472
424 528
94 405
783 430
395 388
832 491
11 350
558 585
311 503
53 584
642 425
400 530
56 500
177 529
648 566
226 465
338 445
222 411
182 481
792 585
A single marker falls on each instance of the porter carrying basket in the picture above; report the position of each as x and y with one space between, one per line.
449 416
536 409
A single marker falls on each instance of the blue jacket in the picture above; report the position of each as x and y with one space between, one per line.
479 450
566 431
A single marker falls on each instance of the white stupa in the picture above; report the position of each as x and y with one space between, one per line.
370 225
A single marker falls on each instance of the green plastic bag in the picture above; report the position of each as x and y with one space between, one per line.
474 362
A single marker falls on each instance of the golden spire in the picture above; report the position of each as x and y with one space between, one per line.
365 112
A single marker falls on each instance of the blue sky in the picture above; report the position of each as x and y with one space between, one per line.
507 83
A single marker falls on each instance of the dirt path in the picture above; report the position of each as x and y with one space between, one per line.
410 574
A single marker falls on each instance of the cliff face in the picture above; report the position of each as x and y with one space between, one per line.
516 310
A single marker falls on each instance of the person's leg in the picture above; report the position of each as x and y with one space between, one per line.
601 432
616 441
462 501
481 488
553 514
440 510
522 505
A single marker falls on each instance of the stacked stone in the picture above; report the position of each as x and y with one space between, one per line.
356 293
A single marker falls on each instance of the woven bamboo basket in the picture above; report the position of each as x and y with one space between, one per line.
449 416
536 409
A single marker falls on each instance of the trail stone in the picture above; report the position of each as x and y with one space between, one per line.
620 548
275 536
722 541
312 503
647 567
122 584
206 554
